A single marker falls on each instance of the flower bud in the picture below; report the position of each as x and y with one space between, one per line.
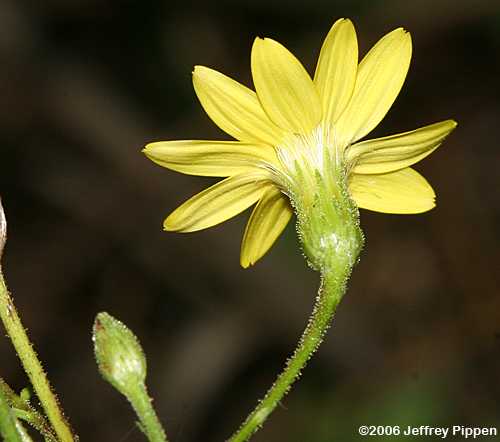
119 355
3 229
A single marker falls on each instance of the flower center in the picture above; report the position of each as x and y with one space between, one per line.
303 156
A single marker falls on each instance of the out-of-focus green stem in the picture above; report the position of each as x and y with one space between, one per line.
8 429
27 355
23 410
25 437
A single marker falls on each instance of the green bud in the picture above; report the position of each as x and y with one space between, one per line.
327 218
3 229
119 355
25 394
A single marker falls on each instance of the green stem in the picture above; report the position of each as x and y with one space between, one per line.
31 364
329 297
24 350
22 409
149 423
34 422
12 398
8 429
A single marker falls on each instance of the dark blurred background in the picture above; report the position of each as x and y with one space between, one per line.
416 341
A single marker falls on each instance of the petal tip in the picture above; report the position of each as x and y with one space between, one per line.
247 261
149 147
266 41
448 126
169 224
148 151
199 70
203 73
400 33
405 35
245 264
344 21
432 205
257 41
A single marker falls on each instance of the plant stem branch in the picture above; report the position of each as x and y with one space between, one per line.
22 409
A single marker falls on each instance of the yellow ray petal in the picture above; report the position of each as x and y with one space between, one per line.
210 158
234 107
336 70
380 76
403 191
395 152
284 88
218 203
268 219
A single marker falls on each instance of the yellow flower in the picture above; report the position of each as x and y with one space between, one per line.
294 122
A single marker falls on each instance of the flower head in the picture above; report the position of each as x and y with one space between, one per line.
294 129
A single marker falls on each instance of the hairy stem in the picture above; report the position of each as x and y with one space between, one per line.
141 402
31 364
27 355
22 409
331 291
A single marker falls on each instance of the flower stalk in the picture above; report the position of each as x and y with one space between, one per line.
328 227
27 355
149 422
121 362
330 294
